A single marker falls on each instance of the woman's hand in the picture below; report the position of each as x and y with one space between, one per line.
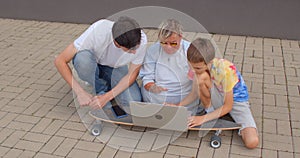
152 87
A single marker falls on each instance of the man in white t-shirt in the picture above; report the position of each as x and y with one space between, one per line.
108 56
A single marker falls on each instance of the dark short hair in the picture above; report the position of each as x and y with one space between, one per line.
126 32
201 50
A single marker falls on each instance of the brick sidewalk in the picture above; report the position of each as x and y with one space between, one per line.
38 117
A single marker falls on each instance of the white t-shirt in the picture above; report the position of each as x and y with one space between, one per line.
98 39
167 70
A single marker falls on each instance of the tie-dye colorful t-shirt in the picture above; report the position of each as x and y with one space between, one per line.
226 77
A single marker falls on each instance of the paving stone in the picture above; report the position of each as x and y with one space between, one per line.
42 125
20 126
21 103
223 151
186 143
276 116
69 133
34 96
65 147
3 150
146 142
279 138
28 145
123 153
9 95
76 126
243 151
106 134
206 150
269 153
13 153
82 153
52 144
108 152
36 137
171 156
147 155
66 100
5 133
121 132
182 151
285 154
27 154
87 136
53 127
89 146
59 115
46 100
269 126
13 138
43 110
27 119
283 127
278 146
44 155
161 142
118 142
296 141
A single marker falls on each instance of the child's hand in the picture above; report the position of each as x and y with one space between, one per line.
195 121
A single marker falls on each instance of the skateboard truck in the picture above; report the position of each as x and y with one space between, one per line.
215 141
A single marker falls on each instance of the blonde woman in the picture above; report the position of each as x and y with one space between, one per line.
165 68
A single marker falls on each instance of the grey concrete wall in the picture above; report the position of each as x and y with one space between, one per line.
262 18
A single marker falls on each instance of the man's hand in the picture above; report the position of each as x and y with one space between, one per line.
152 87
84 98
196 120
99 101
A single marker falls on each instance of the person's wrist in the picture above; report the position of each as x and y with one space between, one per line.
108 96
78 90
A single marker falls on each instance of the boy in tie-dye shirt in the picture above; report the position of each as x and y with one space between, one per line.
221 89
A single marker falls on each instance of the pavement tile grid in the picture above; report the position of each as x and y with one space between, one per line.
38 116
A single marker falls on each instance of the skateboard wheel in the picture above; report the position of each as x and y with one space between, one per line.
215 142
96 130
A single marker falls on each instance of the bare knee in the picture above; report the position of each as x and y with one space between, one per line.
250 137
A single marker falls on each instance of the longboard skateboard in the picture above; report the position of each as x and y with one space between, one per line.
218 125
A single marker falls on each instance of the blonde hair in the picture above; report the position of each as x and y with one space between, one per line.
168 27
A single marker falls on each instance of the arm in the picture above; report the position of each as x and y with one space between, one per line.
125 82
61 63
192 96
148 69
223 110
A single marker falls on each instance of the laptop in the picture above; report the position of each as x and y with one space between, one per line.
159 116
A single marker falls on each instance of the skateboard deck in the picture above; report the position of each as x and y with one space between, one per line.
218 125
107 115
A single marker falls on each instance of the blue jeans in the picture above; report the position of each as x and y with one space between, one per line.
104 78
